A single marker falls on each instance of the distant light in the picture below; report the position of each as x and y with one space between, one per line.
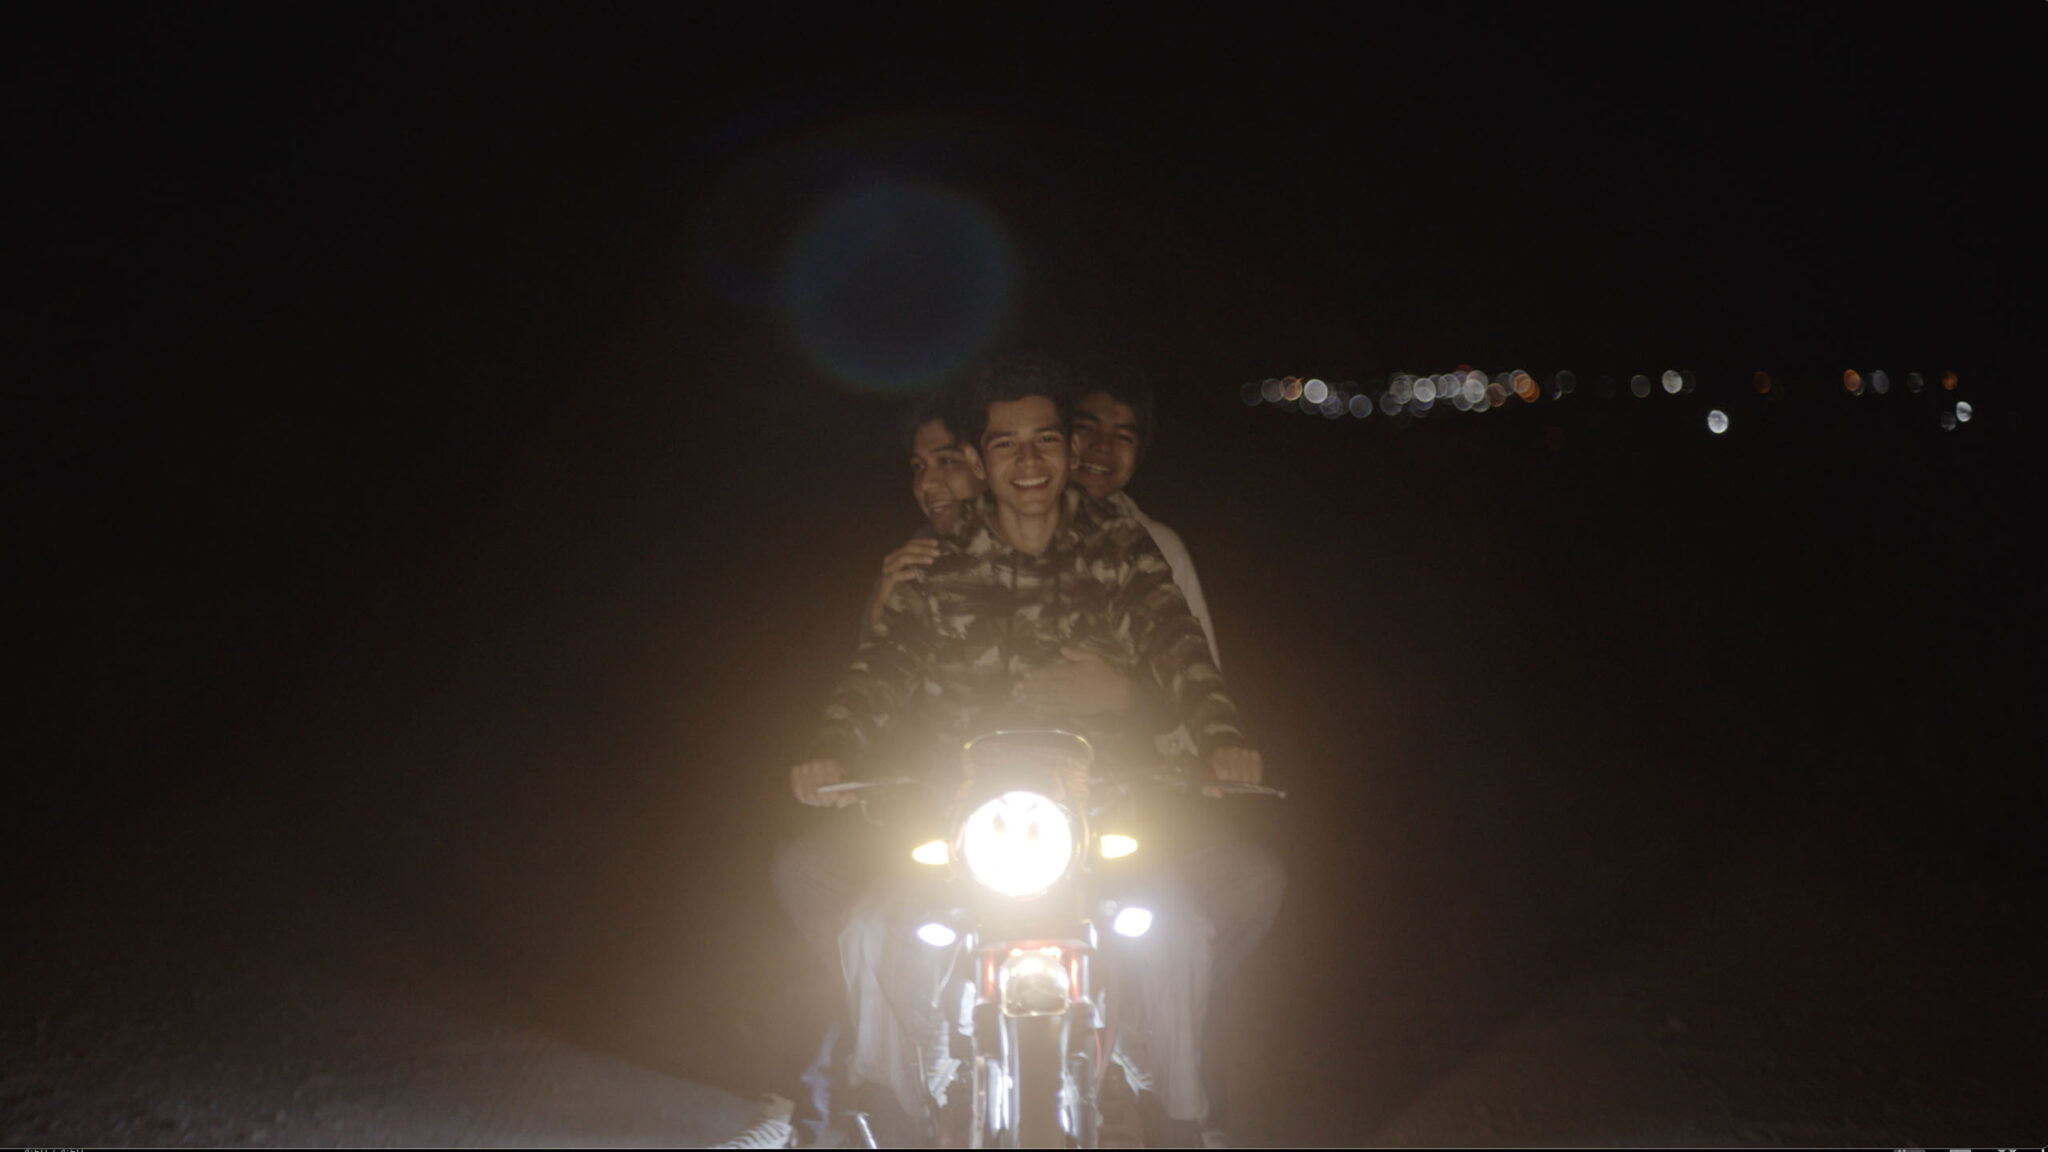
1132 922
1880 383
1948 381
1388 404
1717 421
1687 382
1852 381
1496 394
1271 390
1290 389
1915 382
1474 389
1524 386
1401 388
1565 382
1963 411
937 935
1249 393
1425 390
1761 381
1459 402
1307 406
1639 385
1314 391
1948 421
1673 383
1332 406
1361 406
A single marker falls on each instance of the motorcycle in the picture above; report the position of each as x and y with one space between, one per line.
1039 855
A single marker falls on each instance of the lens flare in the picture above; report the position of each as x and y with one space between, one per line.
1673 383
892 286
1717 421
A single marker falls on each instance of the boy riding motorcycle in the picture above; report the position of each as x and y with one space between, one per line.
1042 576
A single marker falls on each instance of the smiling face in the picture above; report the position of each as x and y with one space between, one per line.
941 480
1023 456
1105 444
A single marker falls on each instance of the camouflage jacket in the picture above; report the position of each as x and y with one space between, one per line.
952 645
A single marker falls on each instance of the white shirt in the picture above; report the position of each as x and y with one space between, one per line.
1179 561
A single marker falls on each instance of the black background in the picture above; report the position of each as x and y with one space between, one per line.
415 489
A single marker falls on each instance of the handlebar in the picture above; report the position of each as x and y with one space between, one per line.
1226 787
1164 779
850 786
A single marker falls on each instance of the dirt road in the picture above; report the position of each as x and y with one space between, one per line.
1805 995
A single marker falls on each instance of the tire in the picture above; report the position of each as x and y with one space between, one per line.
1042 1092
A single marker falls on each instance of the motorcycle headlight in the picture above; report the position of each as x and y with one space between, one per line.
1019 843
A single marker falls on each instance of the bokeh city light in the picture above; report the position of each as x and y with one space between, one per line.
1470 391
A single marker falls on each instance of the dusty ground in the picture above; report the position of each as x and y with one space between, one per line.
1808 990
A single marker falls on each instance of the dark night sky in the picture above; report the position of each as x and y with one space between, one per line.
443 413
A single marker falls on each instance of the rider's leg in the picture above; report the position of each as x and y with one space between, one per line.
1238 883
817 878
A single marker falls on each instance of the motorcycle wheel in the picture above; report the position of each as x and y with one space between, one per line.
1042 1088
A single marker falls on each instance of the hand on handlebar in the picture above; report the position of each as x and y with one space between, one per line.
1234 766
806 778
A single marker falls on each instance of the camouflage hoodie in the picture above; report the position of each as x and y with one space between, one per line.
953 644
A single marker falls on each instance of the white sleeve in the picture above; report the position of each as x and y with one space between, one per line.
1183 567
